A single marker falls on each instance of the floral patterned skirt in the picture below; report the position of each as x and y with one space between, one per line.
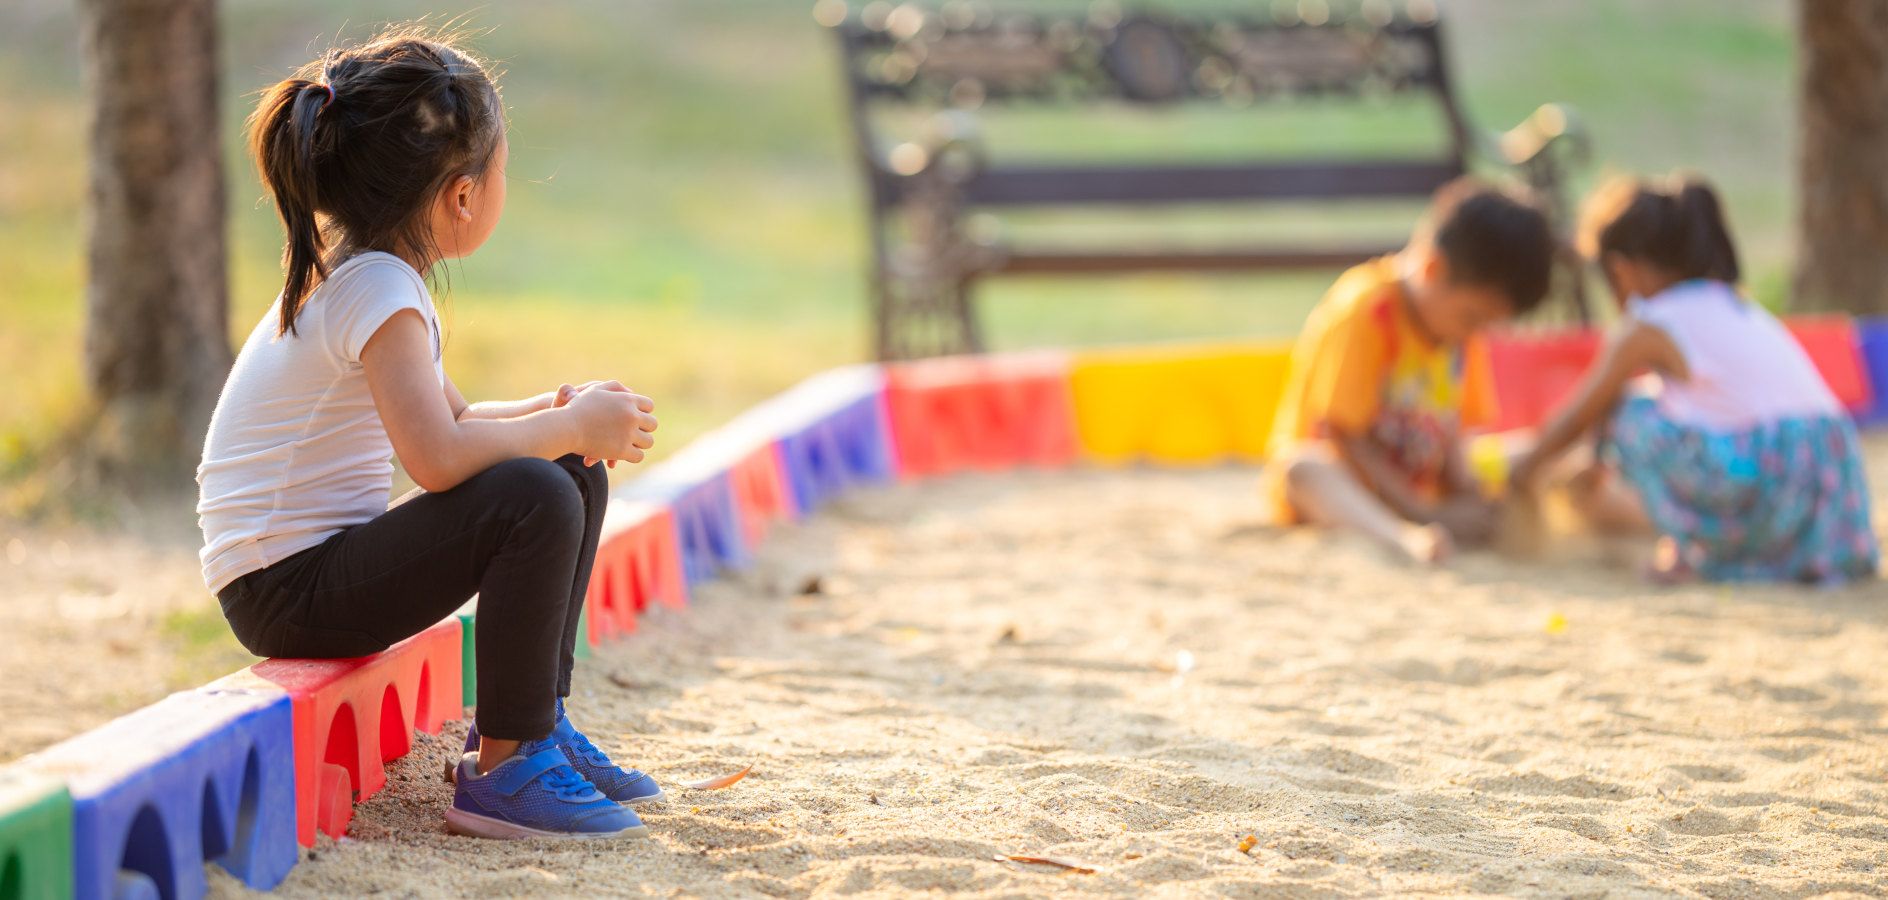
1784 501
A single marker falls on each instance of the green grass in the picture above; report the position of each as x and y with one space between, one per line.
201 646
684 214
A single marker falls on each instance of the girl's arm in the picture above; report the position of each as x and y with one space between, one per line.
511 409
495 409
1638 348
439 449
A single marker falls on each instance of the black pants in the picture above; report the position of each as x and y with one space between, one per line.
522 535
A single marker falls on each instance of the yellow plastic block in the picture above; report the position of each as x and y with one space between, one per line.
1178 404
1490 455
1108 398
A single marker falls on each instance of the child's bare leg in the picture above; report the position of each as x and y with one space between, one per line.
1326 493
493 751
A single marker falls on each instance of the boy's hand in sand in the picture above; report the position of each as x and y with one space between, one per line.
613 422
1469 519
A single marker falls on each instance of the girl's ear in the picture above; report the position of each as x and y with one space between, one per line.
1621 276
460 192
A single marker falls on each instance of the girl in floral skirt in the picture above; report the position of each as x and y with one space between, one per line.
1732 448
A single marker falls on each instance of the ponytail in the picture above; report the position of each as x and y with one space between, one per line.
1678 226
1707 239
282 139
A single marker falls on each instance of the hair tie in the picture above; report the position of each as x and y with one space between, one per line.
327 79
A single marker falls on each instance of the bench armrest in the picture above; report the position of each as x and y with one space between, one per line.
1541 151
1551 128
951 146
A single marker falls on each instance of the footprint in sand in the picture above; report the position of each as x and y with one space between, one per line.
1722 774
1537 785
1704 822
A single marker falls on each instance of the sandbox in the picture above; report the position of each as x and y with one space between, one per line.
967 609
1125 669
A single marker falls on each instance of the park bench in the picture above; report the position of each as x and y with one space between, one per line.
943 64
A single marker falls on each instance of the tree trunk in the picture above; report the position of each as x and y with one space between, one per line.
157 334
1842 254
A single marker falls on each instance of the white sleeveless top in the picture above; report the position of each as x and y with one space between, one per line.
1746 368
296 450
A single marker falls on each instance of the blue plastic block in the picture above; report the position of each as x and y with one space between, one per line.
847 448
204 776
1872 334
708 529
832 434
695 486
830 431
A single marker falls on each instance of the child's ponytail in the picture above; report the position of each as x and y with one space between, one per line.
355 147
282 141
1707 238
1678 226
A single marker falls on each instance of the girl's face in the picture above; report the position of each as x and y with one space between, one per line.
468 208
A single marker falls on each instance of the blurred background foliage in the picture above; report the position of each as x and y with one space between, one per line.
685 214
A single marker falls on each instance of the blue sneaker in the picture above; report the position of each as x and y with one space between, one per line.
535 793
623 786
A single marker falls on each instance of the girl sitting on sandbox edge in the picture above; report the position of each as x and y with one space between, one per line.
385 160
1732 449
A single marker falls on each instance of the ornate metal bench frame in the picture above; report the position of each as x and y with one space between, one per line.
958 57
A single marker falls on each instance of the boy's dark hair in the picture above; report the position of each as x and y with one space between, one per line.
355 145
1677 225
1491 237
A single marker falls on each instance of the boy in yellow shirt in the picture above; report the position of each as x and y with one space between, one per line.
1391 368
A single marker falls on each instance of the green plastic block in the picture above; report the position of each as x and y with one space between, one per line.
468 637
35 838
582 650
468 650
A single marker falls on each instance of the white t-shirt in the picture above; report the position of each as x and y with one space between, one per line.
296 450
1745 367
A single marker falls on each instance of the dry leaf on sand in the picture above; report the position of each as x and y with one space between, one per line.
1057 861
715 784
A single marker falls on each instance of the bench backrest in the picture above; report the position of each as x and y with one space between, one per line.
966 56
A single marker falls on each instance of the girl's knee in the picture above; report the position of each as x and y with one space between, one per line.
540 486
594 478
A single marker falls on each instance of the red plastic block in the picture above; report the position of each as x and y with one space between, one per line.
353 715
1536 372
980 412
760 491
1835 348
638 561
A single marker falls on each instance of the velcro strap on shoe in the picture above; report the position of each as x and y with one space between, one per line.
526 770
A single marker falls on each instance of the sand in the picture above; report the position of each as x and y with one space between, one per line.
94 625
1122 668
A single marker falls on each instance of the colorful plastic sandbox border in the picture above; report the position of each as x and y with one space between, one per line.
242 771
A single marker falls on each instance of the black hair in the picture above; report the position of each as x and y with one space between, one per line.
355 145
1491 237
1677 225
